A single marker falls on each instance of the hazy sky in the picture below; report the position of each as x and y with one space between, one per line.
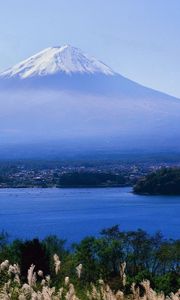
138 38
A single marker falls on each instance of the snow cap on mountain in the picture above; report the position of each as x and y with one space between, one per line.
65 59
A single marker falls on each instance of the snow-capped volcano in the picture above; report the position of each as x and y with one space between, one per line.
65 59
63 95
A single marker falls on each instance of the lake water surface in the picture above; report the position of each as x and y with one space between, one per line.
75 213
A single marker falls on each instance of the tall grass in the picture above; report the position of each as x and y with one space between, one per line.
39 286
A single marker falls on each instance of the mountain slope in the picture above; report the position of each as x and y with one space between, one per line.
69 68
63 96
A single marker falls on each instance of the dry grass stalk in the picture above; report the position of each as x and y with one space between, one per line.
14 289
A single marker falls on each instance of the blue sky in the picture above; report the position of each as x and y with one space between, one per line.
138 38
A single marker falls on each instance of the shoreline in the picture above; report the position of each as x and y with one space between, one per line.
65 187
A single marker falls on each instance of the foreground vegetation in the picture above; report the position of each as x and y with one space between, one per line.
147 258
41 289
165 181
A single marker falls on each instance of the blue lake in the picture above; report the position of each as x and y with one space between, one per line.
75 213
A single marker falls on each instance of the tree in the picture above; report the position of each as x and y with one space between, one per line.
33 252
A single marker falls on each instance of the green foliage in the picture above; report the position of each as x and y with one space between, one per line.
164 182
147 257
3 240
169 282
85 253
